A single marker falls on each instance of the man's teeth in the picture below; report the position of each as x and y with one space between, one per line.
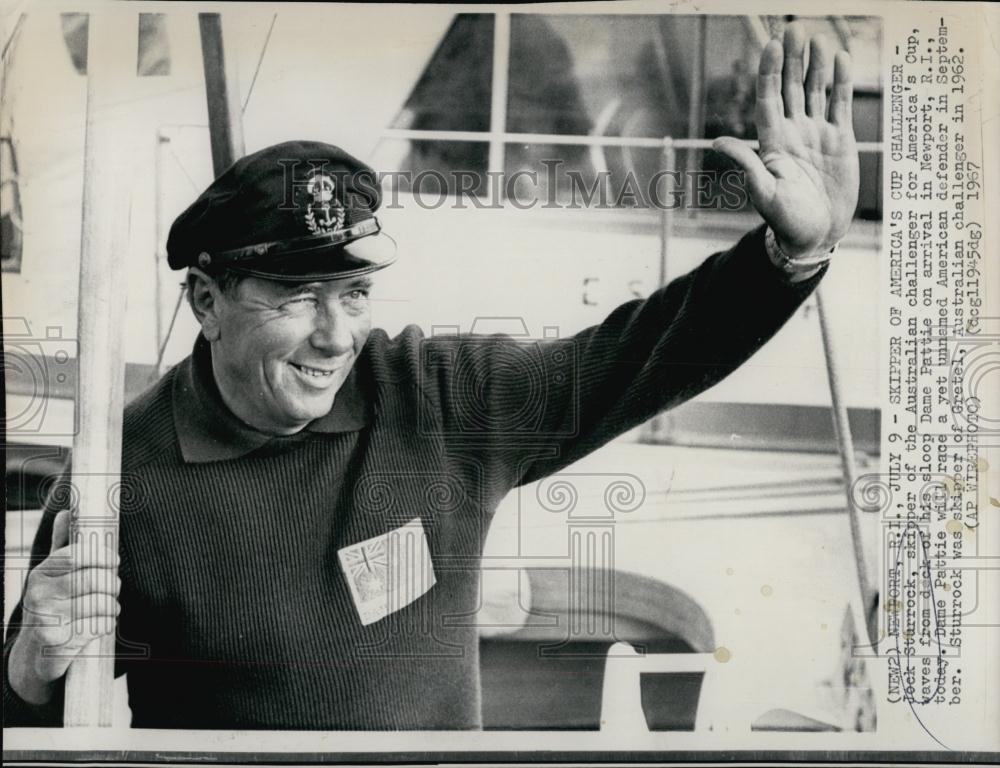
314 372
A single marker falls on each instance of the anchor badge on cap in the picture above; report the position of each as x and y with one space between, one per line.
320 189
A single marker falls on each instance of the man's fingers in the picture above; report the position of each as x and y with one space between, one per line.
760 182
83 617
93 627
816 77
95 616
95 606
78 555
843 91
791 72
60 530
769 111
87 581
79 583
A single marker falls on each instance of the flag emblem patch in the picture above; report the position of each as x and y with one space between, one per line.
388 572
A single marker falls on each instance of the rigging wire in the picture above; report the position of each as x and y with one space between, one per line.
9 42
170 328
184 170
260 60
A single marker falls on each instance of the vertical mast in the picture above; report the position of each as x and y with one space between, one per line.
225 119
96 466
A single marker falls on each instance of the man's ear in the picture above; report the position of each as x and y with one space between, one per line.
205 299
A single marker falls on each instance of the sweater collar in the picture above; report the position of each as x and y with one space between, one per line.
208 431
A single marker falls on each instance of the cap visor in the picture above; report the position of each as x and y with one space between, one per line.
358 257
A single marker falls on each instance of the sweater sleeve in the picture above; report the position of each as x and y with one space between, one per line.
526 410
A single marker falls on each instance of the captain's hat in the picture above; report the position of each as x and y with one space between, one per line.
300 210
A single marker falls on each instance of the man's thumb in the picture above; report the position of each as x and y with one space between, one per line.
759 179
60 530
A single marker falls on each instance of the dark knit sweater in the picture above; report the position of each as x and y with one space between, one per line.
236 611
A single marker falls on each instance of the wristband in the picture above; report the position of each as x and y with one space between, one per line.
793 265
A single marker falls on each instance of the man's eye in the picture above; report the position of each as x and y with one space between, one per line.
359 294
300 301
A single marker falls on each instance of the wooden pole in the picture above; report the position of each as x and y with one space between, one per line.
658 426
668 164
696 117
96 464
845 444
225 124
498 91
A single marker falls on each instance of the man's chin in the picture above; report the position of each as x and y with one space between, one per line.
313 409
305 402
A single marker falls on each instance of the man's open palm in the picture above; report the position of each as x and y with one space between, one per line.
804 183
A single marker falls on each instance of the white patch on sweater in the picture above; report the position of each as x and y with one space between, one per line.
388 572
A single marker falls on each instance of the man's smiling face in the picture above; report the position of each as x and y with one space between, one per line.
283 350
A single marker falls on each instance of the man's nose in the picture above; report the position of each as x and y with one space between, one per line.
332 331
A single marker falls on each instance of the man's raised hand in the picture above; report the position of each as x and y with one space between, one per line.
804 183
